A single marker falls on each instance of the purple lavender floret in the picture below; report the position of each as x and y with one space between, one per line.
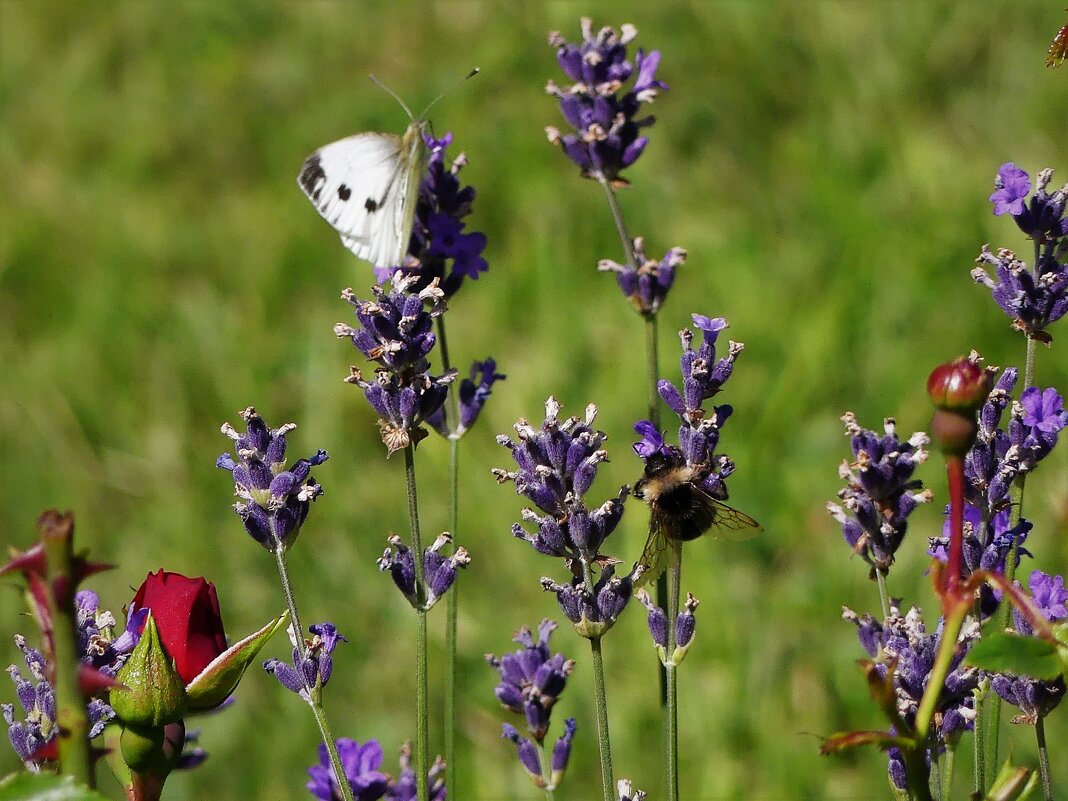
1041 219
99 646
903 641
532 678
592 615
562 752
646 282
606 137
685 626
273 500
474 392
440 247
440 570
38 701
556 466
984 548
1033 298
1036 698
361 764
880 492
307 674
404 787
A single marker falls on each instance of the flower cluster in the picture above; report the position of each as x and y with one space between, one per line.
312 665
556 466
703 375
439 570
880 492
474 391
439 247
1036 698
361 764
273 501
902 644
646 282
685 626
395 331
1036 296
531 683
607 134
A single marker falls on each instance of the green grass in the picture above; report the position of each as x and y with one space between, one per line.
825 164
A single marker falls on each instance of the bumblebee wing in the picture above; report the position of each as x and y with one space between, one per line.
730 524
654 554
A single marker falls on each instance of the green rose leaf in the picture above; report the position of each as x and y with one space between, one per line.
219 679
45 787
1021 656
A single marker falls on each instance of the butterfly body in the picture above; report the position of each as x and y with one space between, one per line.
680 510
367 186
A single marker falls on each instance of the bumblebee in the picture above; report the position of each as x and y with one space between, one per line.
681 511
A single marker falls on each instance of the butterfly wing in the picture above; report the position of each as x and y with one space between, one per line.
360 185
1058 49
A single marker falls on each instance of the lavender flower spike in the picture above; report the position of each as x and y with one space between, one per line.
440 570
361 764
309 672
272 501
404 787
593 615
606 134
685 625
473 397
647 282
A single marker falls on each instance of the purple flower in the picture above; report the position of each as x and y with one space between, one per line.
531 678
404 787
1049 595
880 492
38 701
440 571
440 248
474 392
685 626
904 643
1043 218
593 613
1044 410
273 501
309 672
556 466
1033 298
562 752
606 134
1011 187
360 762
646 282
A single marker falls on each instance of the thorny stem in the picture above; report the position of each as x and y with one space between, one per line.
452 599
671 739
314 701
422 744
1043 758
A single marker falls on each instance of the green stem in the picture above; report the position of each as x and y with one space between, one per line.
936 771
56 533
884 595
671 733
1043 758
607 780
947 771
652 368
983 705
919 779
422 739
546 770
452 600
314 699
943 659
617 216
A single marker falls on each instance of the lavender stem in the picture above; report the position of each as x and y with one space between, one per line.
671 734
1043 758
422 757
313 700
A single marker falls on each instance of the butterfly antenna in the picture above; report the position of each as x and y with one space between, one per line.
467 77
391 93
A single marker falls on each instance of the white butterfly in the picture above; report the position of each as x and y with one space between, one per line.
366 186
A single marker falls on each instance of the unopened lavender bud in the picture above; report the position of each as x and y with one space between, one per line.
685 625
657 620
527 753
562 752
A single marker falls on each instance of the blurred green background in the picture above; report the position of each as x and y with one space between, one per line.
827 167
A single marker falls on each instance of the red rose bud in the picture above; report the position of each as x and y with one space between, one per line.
186 611
959 386
153 694
958 389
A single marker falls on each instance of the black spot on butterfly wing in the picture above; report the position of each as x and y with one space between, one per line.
312 178
371 204
343 192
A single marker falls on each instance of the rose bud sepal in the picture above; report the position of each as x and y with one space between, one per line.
153 694
216 682
142 758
